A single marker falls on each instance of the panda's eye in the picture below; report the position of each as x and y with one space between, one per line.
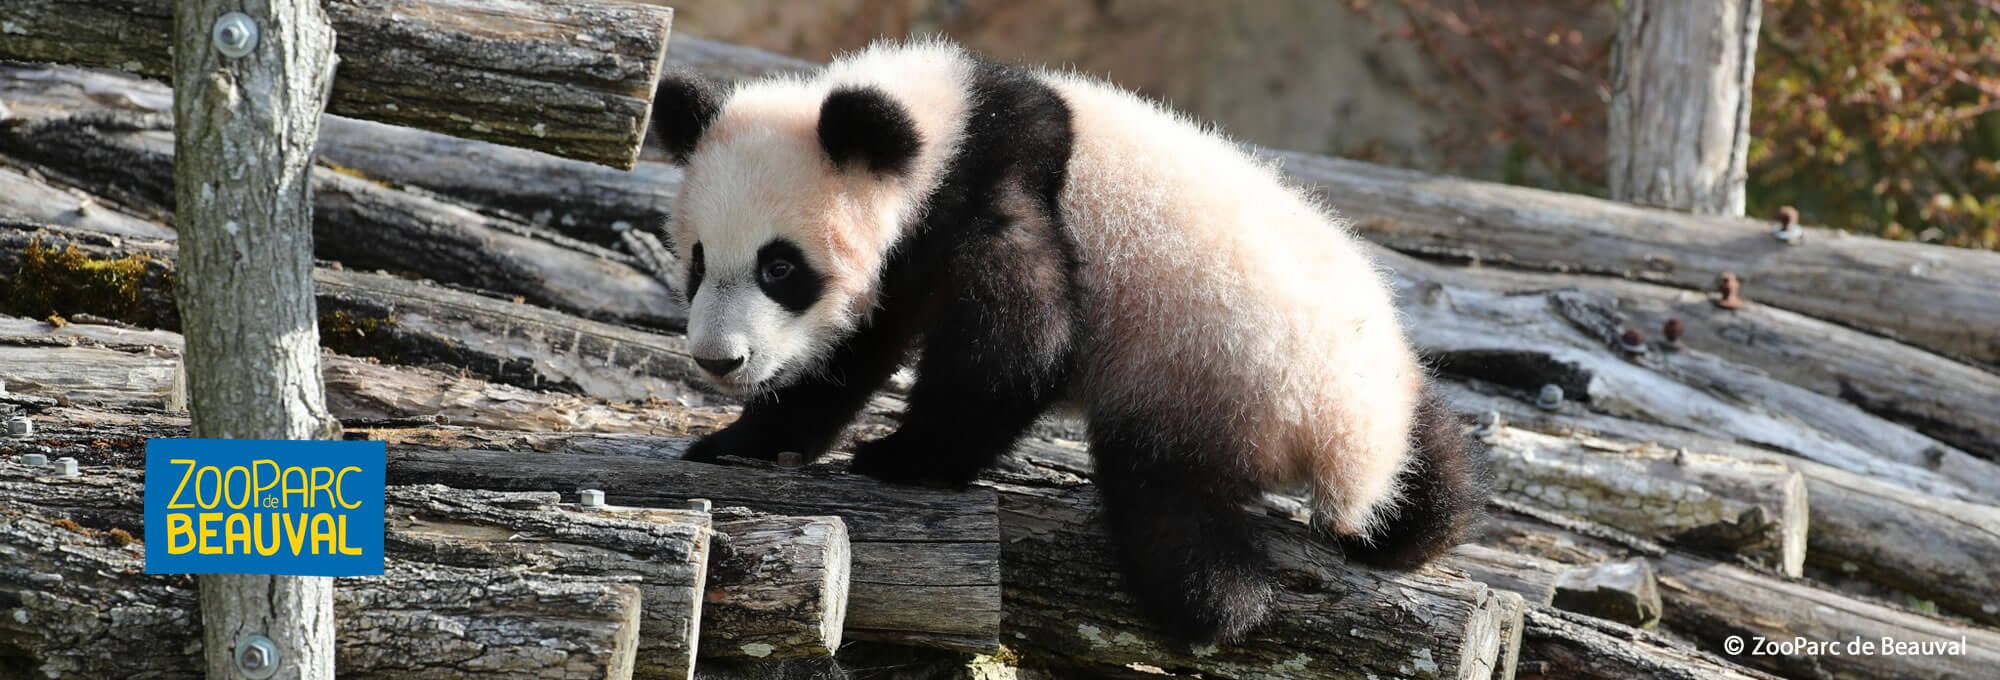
777 270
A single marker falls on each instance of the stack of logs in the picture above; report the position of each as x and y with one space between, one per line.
1818 464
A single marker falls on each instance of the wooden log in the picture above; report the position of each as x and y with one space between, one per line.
28 197
380 316
1930 296
572 79
749 586
244 289
778 587
1064 605
1708 602
1680 103
357 221
1711 602
1625 591
1941 550
909 545
1704 501
1533 578
1571 338
1561 646
80 605
664 554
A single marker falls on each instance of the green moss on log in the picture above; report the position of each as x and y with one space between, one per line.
66 281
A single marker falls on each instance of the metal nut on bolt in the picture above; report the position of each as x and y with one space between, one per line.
20 426
590 498
34 460
257 657
1550 398
700 504
66 467
235 35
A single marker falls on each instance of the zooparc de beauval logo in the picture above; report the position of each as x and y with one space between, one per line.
241 506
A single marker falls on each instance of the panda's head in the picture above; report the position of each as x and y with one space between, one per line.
794 194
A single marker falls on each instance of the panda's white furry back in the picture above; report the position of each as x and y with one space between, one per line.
1032 238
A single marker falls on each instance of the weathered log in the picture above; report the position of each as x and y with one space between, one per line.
1709 602
1940 550
356 221
664 554
31 198
1712 602
1571 338
777 586
81 605
909 545
572 79
376 315
1333 621
1680 104
1931 296
1706 501
1623 591
1561 646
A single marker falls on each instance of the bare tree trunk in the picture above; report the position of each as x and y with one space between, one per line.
1680 103
245 141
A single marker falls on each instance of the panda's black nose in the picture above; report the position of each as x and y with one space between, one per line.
719 367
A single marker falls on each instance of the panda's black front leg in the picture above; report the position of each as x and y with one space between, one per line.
808 415
997 352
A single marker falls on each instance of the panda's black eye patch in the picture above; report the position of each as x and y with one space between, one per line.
697 268
785 276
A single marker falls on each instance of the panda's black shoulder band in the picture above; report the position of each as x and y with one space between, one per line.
861 124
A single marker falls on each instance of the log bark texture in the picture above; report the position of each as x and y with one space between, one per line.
573 79
663 554
1331 621
1704 501
1939 550
1680 103
245 289
122 148
80 605
1560 646
909 545
778 587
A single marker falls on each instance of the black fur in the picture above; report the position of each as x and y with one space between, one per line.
800 285
697 269
1444 494
683 108
862 124
986 285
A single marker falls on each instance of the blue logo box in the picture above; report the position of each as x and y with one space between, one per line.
241 506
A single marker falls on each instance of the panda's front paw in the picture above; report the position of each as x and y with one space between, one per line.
898 459
732 441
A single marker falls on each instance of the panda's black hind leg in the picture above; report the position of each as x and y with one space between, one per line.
1444 497
1185 545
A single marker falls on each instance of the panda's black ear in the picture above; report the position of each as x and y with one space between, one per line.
682 109
862 124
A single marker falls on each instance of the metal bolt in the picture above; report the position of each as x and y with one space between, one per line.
1674 330
1633 342
1788 230
34 460
1489 422
1550 398
1731 290
590 498
700 504
3 387
235 35
790 459
66 467
20 426
257 657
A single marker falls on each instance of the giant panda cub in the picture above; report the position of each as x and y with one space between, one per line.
1035 238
